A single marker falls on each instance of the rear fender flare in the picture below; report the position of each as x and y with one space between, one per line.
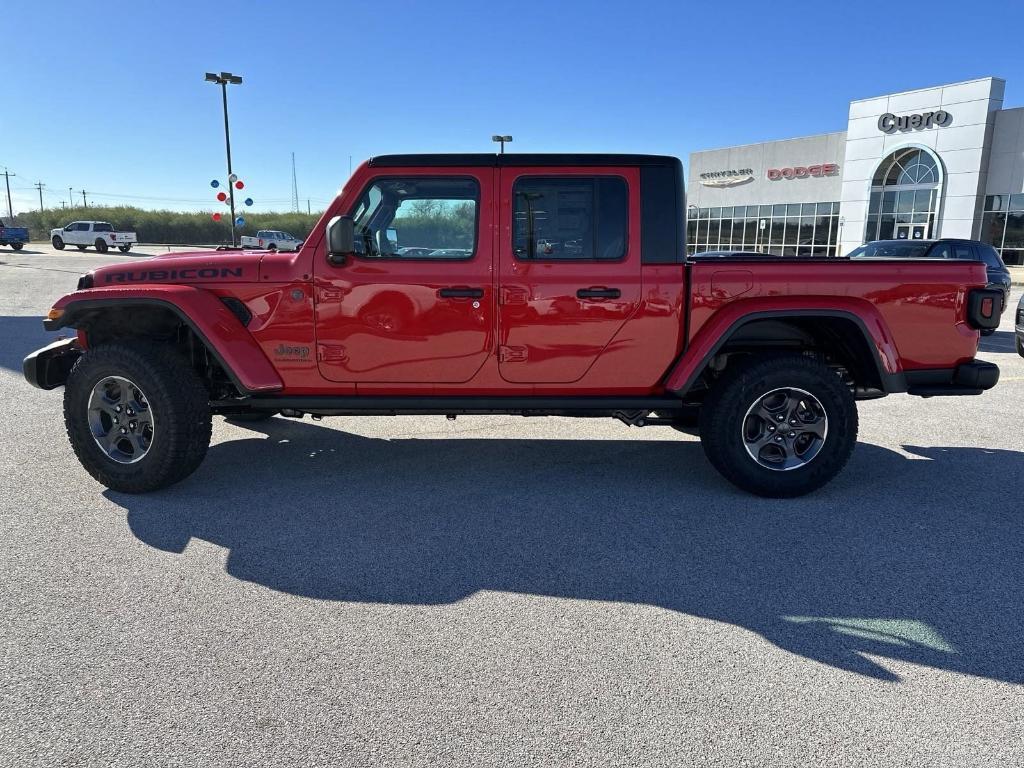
214 324
725 323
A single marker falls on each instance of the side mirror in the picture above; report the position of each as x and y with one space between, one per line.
341 241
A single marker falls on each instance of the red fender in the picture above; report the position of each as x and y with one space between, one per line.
720 326
223 333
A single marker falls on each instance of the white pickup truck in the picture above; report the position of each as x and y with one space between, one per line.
272 240
101 234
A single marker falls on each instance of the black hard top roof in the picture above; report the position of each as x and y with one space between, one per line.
515 159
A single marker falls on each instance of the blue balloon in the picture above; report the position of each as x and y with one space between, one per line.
239 222
248 201
214 183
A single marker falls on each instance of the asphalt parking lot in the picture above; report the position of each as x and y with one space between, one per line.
499 590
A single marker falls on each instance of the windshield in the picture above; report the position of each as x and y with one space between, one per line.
888 249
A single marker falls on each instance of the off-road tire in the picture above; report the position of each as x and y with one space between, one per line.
57 242
180 407
101 245
741 386
124 248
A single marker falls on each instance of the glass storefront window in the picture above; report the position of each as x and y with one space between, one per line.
1017 202
996 202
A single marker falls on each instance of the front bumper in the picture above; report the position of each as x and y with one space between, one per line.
48 368
970 378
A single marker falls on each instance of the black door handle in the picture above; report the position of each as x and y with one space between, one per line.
598 293
461 293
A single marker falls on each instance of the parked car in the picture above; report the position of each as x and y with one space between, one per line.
1019 327
99 234
16 237
413 251
272 240
772 355
945 248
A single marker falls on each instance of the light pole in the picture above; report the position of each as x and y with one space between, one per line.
501 140
222 80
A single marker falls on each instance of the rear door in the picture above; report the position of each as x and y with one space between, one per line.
426 317
569 268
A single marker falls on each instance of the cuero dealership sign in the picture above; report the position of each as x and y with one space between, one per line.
890 123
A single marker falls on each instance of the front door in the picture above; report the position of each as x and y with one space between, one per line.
416 303
569 268
911 231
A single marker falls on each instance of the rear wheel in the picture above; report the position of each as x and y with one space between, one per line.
137 416
272 247
101 245
57 242
17 246
779 426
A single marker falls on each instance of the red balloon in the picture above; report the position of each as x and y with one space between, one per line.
239 185
216 217
221 196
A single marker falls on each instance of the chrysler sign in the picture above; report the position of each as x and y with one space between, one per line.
890 123
803 171
726 178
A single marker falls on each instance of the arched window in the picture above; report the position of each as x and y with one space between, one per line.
905 193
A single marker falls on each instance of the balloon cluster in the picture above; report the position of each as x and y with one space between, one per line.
223 198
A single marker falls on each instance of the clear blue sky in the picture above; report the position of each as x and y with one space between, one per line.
110 97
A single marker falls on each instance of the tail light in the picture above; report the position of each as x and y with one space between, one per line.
984 306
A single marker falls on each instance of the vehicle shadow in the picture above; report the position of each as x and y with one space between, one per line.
1000 341
913 557
21 335
23 252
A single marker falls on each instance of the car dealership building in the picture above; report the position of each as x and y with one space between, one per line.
946 161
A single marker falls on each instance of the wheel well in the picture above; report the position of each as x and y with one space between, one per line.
158 325
839 342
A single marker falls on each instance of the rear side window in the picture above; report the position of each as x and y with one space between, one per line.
964 252
102 226
578 218
990 256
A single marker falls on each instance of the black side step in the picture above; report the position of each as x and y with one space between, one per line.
370 405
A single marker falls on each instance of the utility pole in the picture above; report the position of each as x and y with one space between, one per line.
295 187
222 80
85 203
308 211
7 178
39 185
62 206
71 198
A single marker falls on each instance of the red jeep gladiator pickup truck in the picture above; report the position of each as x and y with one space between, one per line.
510 284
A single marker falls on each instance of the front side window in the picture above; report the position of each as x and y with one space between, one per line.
417 218
578 218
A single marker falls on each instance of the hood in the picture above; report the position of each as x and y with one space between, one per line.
196 267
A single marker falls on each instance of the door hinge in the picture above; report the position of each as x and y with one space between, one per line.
511 354
511 296
331 353
331 294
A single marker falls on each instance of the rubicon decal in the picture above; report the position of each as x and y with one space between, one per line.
803 171
189 273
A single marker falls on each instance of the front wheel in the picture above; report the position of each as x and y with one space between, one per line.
779 426
137 416
57 242
124 248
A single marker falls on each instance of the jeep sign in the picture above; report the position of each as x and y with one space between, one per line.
803 171
890 123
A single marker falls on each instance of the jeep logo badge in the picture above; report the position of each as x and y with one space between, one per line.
890 123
